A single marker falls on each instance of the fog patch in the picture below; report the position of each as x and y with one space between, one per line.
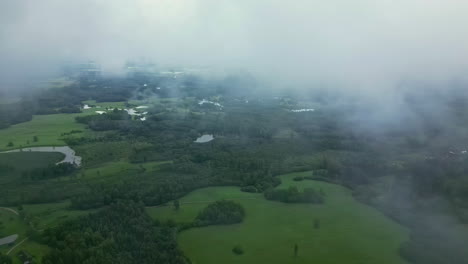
204 138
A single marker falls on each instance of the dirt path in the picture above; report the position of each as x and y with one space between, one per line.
11 249
9 210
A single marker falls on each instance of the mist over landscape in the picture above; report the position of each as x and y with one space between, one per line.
208 131
361 45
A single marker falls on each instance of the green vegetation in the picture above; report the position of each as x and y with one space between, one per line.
238 250
52 171
47 128
293 195
31 218
46 215
103 105
220 213
11 224
13 165
122 233
4 259
287 183
348 230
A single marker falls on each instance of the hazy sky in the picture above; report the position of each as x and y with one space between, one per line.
352 43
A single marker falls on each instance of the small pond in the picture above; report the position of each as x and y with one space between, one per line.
205 138
69 153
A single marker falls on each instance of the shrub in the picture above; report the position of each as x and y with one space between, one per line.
293 195
250 189
238 250
220 212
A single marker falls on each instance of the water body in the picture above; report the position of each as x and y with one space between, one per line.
70 156
204 101
8 239
205 138
303 110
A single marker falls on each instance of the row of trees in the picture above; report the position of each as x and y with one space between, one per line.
293 195
222 212
51 171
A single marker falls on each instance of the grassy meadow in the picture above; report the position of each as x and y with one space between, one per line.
42 216
24 161
348 232
47 128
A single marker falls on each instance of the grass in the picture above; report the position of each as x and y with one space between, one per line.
11 224
42 216
102 152
48 129
349 232
33 248
117 170
51 214
11 182
105 163
25 161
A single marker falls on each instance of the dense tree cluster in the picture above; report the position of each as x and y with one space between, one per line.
143 188
220 213
116 119
293 195
122 233
15 113
52 171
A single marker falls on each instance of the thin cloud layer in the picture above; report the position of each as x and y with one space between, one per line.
363 45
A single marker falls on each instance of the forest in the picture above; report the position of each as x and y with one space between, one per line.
257 138
121 233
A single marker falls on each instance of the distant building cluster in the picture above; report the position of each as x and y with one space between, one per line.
90 71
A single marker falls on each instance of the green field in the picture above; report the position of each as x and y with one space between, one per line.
40 216
116 171
349 232
25 161
50 214
11 224
48 129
